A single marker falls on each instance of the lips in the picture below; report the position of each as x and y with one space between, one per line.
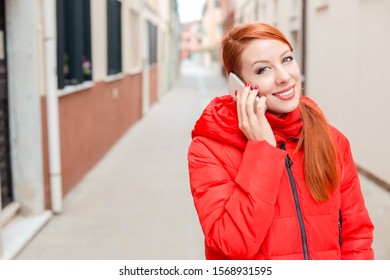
286 94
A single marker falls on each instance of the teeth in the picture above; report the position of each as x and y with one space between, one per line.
285 93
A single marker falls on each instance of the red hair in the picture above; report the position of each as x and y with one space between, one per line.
319 152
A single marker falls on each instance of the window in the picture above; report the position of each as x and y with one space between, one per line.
114 41
73 42
152 31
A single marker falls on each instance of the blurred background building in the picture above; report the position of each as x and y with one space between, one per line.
75 75
191 40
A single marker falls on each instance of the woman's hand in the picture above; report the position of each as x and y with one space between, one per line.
251 118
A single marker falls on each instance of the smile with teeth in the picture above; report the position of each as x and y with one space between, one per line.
283 94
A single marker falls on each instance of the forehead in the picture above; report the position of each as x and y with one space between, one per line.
263 49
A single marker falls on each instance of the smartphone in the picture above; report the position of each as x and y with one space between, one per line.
235 83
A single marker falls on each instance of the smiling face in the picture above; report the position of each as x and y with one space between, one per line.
270 65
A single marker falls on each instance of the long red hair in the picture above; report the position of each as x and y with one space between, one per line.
319 152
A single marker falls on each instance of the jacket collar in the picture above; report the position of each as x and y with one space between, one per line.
287 126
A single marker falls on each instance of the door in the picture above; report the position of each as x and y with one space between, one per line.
5 158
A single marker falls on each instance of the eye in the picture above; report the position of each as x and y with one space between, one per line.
261 70
287 59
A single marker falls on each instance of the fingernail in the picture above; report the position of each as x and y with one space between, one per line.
247 84
256 88
235 92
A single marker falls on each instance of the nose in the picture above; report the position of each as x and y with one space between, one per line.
282 76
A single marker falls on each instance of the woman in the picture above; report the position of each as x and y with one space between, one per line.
274 180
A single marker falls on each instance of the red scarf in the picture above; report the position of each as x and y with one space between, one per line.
286 127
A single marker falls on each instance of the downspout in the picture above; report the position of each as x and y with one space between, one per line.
304 34
49 11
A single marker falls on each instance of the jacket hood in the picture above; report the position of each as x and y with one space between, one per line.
219 121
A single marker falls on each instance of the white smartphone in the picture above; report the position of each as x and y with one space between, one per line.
235 83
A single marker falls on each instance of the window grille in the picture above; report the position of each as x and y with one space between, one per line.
74 59
114 41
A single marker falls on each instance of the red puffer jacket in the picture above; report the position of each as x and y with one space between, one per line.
252 199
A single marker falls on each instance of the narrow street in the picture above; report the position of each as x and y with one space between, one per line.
136 203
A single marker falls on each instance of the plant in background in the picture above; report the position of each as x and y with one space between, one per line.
66 64
87 66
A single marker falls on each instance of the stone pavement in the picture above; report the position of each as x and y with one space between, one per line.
136 202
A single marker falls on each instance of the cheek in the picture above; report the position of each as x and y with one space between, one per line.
295 72
265 85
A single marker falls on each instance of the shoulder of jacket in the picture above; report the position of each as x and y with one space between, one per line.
341 141
339 136
203 144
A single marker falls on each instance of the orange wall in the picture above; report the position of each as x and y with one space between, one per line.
91 121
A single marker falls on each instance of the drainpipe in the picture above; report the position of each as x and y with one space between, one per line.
49 11
304 39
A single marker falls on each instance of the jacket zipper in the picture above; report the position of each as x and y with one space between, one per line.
340 228
289 163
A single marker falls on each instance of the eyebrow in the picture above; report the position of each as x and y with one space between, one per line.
260 61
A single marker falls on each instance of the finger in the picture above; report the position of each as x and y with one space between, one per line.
244 95
261 106
238 102
241 114
251 103
243 100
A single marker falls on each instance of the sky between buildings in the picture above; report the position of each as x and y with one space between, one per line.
190 10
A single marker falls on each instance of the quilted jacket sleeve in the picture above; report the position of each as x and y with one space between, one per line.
357 228
235 213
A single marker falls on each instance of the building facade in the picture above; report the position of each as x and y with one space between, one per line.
191 40
212 30
75 75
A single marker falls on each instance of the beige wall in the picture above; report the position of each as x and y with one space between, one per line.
131 36
99 35
347 73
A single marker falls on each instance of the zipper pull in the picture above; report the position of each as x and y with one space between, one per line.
282 146
289 162
340 228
